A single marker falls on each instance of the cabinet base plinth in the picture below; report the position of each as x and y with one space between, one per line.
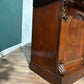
55 79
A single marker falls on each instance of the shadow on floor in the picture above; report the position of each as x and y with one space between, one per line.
27 52
5 69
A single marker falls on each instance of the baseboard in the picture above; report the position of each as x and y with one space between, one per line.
8 50
23 44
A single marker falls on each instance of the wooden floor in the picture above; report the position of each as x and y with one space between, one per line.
14 69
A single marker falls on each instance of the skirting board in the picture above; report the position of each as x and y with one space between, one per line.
6 51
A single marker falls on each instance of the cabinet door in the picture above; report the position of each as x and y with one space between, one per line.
71 50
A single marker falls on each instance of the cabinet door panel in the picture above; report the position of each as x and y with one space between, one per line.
71 49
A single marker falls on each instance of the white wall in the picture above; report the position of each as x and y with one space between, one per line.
27 21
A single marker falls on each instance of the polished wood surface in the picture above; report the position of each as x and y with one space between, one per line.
58 41
46 28
72 40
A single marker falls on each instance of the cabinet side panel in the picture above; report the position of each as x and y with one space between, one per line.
46 35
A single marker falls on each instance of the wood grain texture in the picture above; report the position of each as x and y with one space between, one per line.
58 41
71 50
46 30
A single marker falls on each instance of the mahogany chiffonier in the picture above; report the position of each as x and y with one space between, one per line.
58 40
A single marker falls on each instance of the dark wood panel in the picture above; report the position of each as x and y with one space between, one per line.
45 35
72 41
69 78
58 41
38 3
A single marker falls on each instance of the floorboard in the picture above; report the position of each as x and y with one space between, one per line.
14 68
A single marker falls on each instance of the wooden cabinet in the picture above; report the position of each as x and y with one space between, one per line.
58 40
